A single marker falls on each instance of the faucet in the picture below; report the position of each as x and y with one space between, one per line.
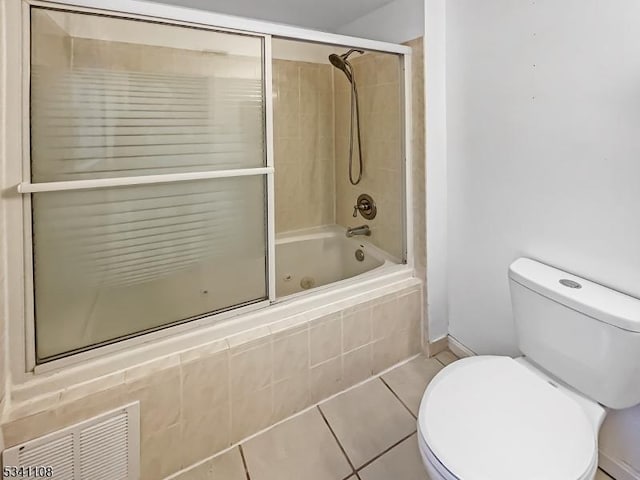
361 230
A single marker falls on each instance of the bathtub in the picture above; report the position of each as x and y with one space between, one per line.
308 259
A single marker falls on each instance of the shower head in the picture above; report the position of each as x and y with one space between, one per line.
340 62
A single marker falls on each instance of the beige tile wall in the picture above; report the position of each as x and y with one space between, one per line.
200 402
303 144
419 164
378 79
418 153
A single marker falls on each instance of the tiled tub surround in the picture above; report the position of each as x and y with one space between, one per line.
418 156
378 78
183 393
365 433
203 400
303 144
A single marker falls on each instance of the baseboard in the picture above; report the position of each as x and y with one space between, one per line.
437 346
617 469
459 349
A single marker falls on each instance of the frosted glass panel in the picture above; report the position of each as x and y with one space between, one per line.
114 262
112 97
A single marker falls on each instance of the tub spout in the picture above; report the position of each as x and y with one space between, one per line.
361 230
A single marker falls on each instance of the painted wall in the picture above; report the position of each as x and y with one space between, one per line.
543 115
436 169
398 22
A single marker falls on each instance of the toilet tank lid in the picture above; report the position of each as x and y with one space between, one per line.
584 296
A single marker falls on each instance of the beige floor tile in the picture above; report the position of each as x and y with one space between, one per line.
302 447
446 357
600 475
367 420
401 462
409 381
227 466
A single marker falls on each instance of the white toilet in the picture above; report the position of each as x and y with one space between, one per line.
536 417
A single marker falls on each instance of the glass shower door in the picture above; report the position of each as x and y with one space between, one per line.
148 177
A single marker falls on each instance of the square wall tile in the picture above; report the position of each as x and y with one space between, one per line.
291 396
410 309
251 413
250 367
160 400
357 365
205 383
356 329
160 453
395 348
326 379
290 355
204 433
385 318
325 338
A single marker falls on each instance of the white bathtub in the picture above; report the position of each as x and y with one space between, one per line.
307 259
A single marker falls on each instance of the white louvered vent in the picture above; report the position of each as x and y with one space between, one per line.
106 447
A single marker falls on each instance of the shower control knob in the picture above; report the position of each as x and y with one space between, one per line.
366 206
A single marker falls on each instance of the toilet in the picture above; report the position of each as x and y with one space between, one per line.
536 417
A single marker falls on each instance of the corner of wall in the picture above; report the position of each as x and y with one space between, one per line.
436 168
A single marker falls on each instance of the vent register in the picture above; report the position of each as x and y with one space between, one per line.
106 447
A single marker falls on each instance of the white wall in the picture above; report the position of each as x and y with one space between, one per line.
397 22
436 168
543 146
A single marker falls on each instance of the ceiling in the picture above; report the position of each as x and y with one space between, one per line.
317 14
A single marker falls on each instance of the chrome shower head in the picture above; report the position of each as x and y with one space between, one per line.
340 62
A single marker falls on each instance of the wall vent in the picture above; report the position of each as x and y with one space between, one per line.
106 447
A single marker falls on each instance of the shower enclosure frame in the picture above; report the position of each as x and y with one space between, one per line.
21 328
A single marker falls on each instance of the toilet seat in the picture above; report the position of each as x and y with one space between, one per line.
491 418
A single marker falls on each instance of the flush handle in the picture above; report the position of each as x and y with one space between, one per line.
570 283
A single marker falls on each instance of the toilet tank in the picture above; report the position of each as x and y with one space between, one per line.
585 334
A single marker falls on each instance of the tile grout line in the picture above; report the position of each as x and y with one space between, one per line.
605 472
244 462
399 399
385 451
353 468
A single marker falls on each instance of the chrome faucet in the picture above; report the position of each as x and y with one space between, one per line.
361 230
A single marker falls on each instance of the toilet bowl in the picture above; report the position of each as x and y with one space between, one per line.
536 417
495 418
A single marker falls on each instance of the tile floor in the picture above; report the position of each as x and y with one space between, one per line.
367 433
